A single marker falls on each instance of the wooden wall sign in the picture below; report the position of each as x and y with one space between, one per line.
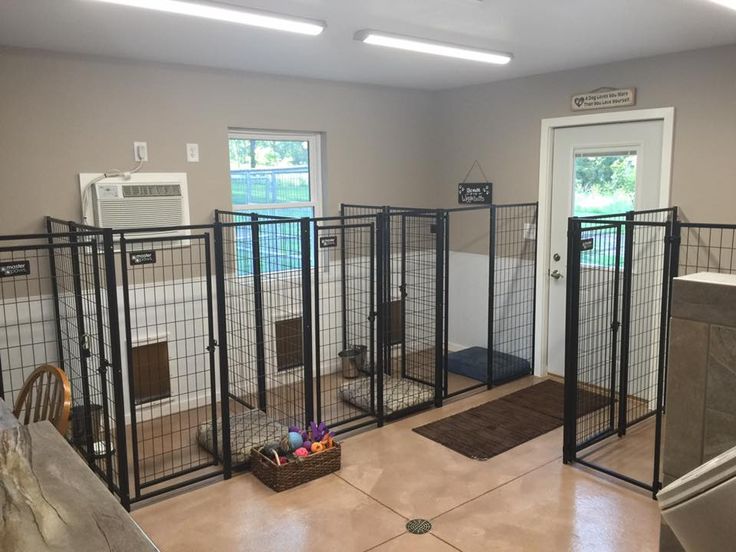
479 193
603 99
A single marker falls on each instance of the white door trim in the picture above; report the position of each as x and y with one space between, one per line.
664 114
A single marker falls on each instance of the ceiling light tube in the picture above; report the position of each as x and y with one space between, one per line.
726 3
378 38
230 14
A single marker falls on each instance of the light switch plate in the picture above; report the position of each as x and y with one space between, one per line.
193 153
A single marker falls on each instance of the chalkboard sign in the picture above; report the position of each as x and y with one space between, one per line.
328 241
142 258
479 193
15 268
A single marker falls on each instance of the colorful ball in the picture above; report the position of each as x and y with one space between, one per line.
317 447
295 440
307 445
301 452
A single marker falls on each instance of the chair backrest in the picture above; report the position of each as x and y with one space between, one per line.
46 395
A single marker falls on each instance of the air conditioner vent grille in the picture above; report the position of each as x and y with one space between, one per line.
154 211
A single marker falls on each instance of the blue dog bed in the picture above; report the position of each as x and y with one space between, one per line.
472 363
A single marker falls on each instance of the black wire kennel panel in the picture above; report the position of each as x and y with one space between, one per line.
643 289
706 248
414 305
619 275
169 329
29 335
593 296
55 310
344 320
513 281
466 285
86 294
266 322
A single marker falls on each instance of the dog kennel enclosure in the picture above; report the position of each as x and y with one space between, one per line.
620 272
187 346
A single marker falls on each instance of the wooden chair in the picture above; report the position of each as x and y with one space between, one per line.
46 395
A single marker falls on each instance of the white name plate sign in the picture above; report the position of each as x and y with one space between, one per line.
603 99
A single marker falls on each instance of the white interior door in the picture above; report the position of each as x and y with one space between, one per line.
596 170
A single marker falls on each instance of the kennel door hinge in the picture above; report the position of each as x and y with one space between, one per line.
372 316
212 345
402 289
615 325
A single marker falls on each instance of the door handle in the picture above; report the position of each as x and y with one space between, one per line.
556 274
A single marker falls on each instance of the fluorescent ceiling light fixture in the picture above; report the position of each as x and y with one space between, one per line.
726 3
378 38
230 14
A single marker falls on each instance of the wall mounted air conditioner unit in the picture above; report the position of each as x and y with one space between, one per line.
145 200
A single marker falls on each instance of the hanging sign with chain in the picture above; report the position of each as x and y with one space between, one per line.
475 193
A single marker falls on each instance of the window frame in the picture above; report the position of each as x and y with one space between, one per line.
314 141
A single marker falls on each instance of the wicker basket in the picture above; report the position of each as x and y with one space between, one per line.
294 473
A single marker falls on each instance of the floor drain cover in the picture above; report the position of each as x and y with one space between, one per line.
418 526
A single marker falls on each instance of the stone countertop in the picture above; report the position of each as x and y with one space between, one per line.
702 297
710 278
50 500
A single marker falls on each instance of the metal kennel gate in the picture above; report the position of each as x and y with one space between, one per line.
345 338
509 239
170 350
619 281
59 306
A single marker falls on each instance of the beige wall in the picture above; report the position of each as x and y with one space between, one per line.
499 124
61 115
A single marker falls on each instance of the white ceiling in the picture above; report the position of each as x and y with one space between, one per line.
543 35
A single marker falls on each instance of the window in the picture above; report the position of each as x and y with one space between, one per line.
605 184
275 175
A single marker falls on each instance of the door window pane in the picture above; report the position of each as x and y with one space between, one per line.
604 183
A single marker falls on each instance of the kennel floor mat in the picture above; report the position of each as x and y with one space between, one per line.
472 363
247 430
398 394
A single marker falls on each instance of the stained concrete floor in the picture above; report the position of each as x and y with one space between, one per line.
524 499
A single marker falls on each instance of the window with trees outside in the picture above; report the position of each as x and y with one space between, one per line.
605 184
278 176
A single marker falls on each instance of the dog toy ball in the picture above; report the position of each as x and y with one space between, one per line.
317 447
301 452
295 440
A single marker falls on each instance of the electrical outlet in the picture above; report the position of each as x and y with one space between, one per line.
140 151
193 153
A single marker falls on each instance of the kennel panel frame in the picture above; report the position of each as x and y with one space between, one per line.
632 329
170 295
73 282
336 329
